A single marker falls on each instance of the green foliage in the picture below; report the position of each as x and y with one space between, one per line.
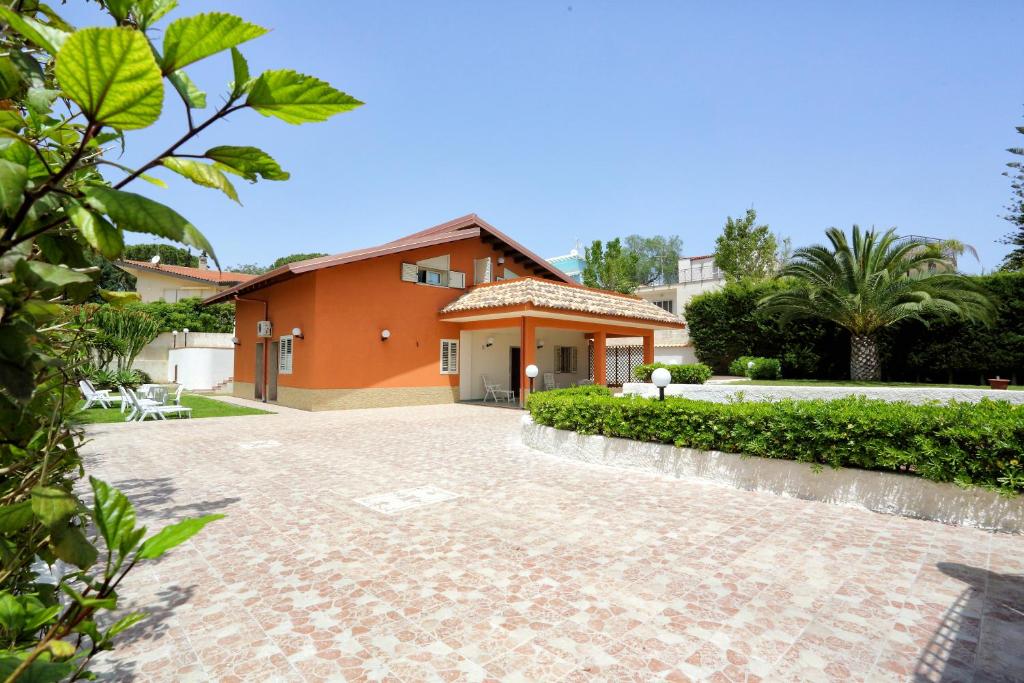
293 258
69 96
249 162
696 373
199 173
966 443
872 283
746 250
727 324
613 268
111 379
189 313
764 368
169 255
1014 261
657 258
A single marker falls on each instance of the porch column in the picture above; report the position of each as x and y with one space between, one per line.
649 348
601 358
528 355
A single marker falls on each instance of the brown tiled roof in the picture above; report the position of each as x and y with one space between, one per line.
566 297
220 277
466 227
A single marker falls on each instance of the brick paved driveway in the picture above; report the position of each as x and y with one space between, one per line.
540 569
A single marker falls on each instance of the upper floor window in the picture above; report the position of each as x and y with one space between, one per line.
667 304
481 271
432 277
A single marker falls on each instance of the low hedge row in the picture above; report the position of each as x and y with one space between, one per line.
967 443
697 373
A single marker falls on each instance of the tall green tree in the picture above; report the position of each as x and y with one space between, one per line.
745 249
872 283
67 98
169 255
657 258
256 269
1015 210
613 267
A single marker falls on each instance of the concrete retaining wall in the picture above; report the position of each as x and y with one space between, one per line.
722 393
884 492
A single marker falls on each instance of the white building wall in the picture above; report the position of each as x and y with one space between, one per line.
153 360
477 359
200 368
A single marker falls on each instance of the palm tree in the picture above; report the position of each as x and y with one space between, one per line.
875 282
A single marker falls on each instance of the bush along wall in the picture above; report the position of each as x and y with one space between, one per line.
756 367
695 373
967 443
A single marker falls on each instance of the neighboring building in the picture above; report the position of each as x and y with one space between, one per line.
159 282
697 274
571 264
428 318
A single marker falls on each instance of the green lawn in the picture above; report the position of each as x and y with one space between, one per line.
200 405
849 383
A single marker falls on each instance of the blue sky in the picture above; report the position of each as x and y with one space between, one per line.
558 121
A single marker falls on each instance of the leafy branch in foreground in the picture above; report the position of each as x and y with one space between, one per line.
68 99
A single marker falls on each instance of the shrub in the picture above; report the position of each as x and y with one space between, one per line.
967 443
582 390
191 314
696 373
764 368
111 379
739 366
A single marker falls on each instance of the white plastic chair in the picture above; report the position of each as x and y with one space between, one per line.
177 396
94 396
495 390
146 407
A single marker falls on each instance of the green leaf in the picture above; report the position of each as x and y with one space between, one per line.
40 671
109 602
189 91
174 535
15 517
11 82
248 162
190 39
12 613
47 37
71 545
241 69
150 11
100 234
112 75
53 507
44 277
120 8
13 178
124 623
297 98
135 213
113 513
119 298
199 173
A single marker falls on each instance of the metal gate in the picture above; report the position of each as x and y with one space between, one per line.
619 363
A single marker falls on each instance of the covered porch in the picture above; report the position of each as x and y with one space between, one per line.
505 327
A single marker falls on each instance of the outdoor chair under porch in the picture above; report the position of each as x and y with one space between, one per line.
494 389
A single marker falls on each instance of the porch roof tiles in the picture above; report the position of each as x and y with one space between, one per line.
548 294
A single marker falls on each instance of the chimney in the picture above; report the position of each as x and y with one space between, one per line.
203 262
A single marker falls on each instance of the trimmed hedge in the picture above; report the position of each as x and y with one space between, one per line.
967 443
762 368
697 373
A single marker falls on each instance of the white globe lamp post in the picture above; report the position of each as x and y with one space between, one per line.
532 371
661 378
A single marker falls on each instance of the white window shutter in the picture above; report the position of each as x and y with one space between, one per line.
573 355
284 355
410 272
456 279
449 357
481 271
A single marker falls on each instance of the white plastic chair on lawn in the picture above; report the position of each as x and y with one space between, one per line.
496 390
95 396
177 396
549 381
147 407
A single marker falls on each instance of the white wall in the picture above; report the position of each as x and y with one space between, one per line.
153 358
476 359
200 368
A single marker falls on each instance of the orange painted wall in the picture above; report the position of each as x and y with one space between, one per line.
342 311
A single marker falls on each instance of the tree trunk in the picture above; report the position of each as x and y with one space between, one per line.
864 363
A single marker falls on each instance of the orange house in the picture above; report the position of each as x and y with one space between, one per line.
442 315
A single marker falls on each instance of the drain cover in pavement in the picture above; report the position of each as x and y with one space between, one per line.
406 499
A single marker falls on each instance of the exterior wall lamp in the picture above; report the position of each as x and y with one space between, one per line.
385 334
236 341
489 343
185 330
540 343
532 371
661 378
297 333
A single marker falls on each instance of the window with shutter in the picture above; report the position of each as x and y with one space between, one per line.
410 272
565 359
481 271
449 356
284 355
456 279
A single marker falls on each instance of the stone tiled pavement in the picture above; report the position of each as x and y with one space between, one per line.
541 569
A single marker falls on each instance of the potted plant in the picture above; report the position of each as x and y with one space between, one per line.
999 383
